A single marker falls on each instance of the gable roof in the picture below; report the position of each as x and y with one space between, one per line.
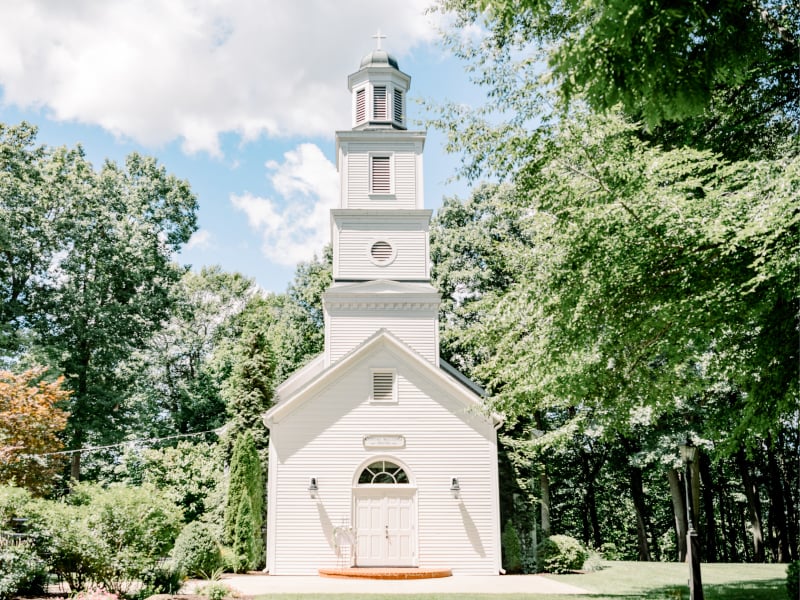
311 379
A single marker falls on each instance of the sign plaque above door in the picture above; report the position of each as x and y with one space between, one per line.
384 441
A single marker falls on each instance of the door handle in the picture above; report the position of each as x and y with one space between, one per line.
387 532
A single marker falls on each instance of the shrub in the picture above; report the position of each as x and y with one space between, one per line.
594 562
228 559
609 551
162 579
196 551
793 580
512 549
216 591
244 538
245 506
113 536
22 571
560 554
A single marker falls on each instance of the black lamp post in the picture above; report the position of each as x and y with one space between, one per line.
688 454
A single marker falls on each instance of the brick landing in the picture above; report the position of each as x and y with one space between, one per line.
385 573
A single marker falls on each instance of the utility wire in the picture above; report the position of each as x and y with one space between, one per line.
218 431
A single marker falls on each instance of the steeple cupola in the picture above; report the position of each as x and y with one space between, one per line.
379 91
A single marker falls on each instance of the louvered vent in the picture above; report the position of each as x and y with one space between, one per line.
383 386
361 105
381 175
398 106
379 112
381 252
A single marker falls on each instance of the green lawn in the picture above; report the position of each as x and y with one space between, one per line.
629 581
654 581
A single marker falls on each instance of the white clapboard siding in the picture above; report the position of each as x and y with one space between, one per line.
348 329
323 438
409 256
354 256
406 161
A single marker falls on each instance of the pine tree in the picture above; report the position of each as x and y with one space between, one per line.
248 390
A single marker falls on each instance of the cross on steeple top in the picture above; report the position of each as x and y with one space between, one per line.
378 37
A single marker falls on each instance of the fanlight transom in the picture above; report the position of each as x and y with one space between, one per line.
383 472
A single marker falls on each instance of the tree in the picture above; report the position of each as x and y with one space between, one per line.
651 287
248 390
189 474
311 281
729 67
86 269
179 375
244 512
631 294
32 186
30 423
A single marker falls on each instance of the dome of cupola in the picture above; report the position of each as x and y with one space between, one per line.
379 90
379 58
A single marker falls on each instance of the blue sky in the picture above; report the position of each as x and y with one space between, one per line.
241 98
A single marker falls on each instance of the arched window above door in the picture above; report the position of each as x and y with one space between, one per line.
383 472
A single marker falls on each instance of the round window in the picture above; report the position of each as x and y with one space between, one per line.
381 252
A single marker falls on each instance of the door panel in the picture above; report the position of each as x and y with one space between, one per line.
385 529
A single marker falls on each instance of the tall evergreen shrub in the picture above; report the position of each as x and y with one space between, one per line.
512 549
244 513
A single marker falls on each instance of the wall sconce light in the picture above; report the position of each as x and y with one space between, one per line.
455 488
313 489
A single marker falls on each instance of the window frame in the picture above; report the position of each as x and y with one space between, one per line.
395 469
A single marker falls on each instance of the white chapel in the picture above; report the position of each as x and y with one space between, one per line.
381 454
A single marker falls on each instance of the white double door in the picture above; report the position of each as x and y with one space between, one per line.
385 527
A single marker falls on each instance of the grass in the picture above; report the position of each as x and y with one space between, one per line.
657 581
628 581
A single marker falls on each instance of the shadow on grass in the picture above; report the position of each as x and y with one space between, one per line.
765 589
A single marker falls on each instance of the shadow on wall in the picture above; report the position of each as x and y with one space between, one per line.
325 523
472 531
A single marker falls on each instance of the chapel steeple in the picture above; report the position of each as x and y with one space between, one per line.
379 91
379 233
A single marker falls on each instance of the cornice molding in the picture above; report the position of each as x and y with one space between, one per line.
376 305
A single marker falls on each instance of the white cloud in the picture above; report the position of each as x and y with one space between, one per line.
200 239
155 71
297 227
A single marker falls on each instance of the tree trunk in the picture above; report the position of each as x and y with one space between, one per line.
640 507
78 410
727 519
709 492
724 527
590 472
753 506
679 509
544 484
777 508
789 491
75 467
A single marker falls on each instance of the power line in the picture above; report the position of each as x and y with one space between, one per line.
218 431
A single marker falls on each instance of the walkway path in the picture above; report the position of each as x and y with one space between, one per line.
256 585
